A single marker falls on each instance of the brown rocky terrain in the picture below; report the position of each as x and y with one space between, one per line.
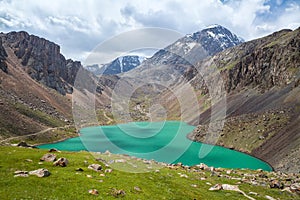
261 79
37 84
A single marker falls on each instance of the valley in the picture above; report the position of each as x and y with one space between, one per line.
238 95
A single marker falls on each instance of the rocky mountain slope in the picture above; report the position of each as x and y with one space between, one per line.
42 60
168 65
261 79
36 84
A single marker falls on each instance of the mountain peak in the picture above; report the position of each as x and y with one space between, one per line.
216 38
213 26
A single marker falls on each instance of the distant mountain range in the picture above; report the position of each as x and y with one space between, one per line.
119 65
208 41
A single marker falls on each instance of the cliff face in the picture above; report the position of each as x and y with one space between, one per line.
43 61
268 62
3 56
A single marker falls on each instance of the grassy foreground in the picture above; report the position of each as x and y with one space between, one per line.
67 183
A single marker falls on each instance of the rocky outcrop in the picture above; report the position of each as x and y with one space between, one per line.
43 61
95 167
40 172
62 162
49 157
3 56
265 63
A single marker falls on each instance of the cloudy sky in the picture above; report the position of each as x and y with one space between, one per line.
79 25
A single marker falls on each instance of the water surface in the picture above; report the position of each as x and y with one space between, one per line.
161 141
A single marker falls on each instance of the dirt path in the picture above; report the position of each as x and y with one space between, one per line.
37 133
109 120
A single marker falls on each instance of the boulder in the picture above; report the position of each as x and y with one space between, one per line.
63 162
95 167
24 144
276 184
53 150
118 193
202 166
108 170
40 172
79 169
295 187
48 157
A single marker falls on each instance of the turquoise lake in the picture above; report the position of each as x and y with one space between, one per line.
161 141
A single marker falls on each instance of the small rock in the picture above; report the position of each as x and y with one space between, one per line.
202 166
40 172
276 184
295 188
269 197
63 162
23 144
184 175
147 162
120 161
21 175
102 175
194 185
216 187
89 176
107 152
137 188
93 192
230 187
95 167
54 150
48 157
28 160
108 171
101 181
117 193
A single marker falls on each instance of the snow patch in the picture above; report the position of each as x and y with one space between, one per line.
211 34
212 26
121 63
192 45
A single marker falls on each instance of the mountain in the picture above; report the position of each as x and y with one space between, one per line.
37 84
259 81
119 65
172 61
262 83
194 47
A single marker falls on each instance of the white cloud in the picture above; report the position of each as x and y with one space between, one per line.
78 26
